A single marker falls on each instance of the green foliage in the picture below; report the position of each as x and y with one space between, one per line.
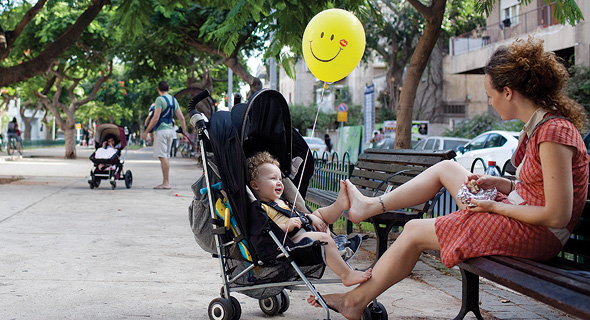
578 87
97 111
461 16
382 114
355 115
302 118
481 123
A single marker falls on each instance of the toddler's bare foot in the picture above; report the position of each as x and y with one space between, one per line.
342 201
359 204
356 277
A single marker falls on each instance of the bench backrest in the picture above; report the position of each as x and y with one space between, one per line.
576 252
378 170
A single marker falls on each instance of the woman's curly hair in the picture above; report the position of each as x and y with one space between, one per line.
253 162
541 76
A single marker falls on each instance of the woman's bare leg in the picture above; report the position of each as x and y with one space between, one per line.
420 189
396 264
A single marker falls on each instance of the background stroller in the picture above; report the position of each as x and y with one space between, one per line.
112 168
256 258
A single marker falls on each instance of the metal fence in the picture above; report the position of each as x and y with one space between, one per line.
329 170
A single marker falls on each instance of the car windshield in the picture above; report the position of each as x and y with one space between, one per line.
312 140
453 144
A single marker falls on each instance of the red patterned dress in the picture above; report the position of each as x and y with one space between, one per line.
465 234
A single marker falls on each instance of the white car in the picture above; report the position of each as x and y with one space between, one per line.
492 145
316 144
440 143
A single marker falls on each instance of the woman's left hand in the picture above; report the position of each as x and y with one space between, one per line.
482 205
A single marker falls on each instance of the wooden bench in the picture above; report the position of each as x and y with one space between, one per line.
378 170
563 282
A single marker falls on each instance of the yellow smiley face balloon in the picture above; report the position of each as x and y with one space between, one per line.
333 44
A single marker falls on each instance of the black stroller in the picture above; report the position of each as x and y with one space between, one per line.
256 259
109 167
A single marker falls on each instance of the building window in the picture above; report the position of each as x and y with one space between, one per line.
510 11
454 109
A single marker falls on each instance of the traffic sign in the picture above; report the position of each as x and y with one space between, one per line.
343 107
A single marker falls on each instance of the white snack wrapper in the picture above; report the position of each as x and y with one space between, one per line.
465 194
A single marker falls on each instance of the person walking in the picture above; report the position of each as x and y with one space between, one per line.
165 107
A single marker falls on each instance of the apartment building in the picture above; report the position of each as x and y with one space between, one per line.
462 95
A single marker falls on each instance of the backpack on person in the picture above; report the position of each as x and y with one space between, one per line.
11 127
167 115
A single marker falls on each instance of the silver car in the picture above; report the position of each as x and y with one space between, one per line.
440 143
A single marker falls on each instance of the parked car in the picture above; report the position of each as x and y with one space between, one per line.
492 145
385 143
316 144
388 143
440 143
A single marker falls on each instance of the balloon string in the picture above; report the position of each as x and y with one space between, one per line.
305 160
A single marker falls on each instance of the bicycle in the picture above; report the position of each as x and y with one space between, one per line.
187 150
13 145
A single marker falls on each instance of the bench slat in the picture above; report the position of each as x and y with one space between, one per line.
547 273
560 297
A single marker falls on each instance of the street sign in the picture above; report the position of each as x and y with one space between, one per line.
343 107
342 116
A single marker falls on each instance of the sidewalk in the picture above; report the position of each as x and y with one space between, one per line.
69 252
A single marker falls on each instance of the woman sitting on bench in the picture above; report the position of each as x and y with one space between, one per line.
530 218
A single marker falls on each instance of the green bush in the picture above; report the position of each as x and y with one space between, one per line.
481 123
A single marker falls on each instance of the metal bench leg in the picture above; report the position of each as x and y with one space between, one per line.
470 295
381 233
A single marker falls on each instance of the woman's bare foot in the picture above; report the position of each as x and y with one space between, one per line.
337 302
355 277
359 204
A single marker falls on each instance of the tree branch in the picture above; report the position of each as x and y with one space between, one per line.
420 7
43 61
11 36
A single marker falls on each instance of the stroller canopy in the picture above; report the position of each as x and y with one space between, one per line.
264 124
106 129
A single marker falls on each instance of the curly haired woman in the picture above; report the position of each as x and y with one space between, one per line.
530 218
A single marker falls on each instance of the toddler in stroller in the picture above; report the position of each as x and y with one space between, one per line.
256 256
109 140
266 184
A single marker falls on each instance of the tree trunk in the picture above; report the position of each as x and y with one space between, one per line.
434 16
70 135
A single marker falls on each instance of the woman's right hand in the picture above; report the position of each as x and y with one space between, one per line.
483 181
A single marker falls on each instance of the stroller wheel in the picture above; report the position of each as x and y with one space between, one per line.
113 184
374 311
271 306
128 179
285 301
91 181
220 309
237 309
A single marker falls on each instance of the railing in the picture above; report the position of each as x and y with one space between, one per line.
329 170
542 17
42 143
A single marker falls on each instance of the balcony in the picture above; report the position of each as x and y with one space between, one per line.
531 21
